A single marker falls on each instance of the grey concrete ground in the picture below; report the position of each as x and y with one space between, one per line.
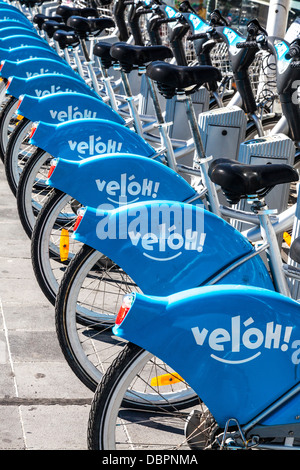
42 403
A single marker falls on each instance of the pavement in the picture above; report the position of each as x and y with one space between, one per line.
43 405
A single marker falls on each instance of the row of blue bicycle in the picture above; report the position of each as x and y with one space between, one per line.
159 191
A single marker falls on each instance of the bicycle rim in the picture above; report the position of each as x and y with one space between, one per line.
33 192
115 425
19 150
88 301
46 257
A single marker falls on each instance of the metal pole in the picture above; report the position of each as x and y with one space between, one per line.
278 17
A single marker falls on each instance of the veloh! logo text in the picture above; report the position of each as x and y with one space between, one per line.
72 113
53 89
161 232
127 189
42 71
242 341
95 146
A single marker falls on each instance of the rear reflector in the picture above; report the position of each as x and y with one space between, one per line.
33 129
125 307
166 379
53 164
64 245
80 214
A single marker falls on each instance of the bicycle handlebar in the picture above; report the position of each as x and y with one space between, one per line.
143 11
247 45
167 20
294 50
193 37
295 64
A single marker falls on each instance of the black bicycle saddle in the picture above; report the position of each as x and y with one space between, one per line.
66 12
66 38
102 50
130 55
238 180
50 26
40 19
176 78
85 26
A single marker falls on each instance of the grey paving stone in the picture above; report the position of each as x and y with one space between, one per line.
11 433
50 381
55 427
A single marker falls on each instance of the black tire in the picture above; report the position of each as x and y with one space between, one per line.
88 300
104 404
60 306
37 241
29 210
14 160
6 110
268 123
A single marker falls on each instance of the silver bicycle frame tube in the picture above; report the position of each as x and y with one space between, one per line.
236 100
281 127
284 222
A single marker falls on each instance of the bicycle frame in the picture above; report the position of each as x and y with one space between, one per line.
245 338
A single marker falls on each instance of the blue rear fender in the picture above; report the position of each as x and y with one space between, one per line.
16 23
83 138
61 107
28 52
237 347
103 180
47 84
169 246
12 14
15 30
21 40
29 68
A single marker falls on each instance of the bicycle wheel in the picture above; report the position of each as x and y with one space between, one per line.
268 123
33 192
7 123
60 212
18 151
88 300
164 419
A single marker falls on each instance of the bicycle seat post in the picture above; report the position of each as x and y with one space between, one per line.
253 182
87 28
131 101
200 157
77 61
182 81
89 63
273 251
130 57
162 125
